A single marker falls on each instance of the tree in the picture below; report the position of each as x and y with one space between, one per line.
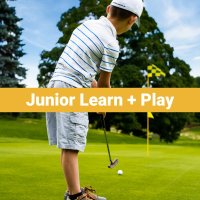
139 49
169 125
11 71
197 82
196 116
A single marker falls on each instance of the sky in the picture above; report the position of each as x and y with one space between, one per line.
177 19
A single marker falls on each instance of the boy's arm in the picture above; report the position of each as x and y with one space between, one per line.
104 80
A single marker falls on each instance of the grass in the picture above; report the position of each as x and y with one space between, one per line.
30 169
190 137
36 129
23 128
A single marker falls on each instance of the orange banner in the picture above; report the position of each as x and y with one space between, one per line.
100 100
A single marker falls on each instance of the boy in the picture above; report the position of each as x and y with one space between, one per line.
92 48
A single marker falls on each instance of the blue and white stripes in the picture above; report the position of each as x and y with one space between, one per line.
91 48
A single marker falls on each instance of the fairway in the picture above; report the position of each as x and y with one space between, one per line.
30 169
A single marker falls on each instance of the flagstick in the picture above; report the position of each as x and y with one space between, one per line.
148 85
154 70
147 135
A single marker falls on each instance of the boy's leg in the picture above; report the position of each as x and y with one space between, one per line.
69 159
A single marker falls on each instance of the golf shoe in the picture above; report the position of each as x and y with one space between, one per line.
88 194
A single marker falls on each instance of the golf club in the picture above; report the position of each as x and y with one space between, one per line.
115 162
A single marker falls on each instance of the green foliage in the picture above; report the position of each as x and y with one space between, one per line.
169 125
126 122
11 71
11 116
121 77
197 117
197 82
197 85
47 66
32 115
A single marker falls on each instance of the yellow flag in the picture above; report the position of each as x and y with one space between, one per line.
150 115
153 69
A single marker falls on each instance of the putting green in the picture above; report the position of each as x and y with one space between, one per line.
30 169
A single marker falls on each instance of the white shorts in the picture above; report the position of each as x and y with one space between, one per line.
67 130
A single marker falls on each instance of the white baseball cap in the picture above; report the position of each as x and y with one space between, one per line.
134 6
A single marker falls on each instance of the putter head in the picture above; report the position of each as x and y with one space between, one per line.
113 163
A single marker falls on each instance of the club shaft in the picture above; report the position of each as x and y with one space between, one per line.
104 128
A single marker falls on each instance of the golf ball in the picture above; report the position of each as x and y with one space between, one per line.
120 172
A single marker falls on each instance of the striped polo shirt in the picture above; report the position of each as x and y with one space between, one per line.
92 47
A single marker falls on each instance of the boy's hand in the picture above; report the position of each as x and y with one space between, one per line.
102 113
94 84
